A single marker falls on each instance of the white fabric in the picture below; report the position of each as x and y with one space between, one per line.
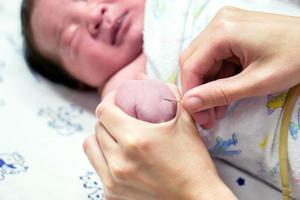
248 136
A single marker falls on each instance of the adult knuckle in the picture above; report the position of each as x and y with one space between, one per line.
186 67
138 144
98 110
87 143
110 187
227 11
109 196
226 20
130 143
224 100
224 27
144 145
226 94
182 60
121 171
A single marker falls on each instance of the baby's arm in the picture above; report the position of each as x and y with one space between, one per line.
145 100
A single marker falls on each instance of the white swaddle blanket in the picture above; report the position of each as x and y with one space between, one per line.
249 134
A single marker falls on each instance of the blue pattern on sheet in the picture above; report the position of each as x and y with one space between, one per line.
62 119
11 164
294 127
92 183
221 148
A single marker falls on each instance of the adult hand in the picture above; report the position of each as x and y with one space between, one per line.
140 160
239 54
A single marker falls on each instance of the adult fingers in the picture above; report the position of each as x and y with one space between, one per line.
216 93
108 144
228 69
220 111
206 60
208 117
117 122
96 158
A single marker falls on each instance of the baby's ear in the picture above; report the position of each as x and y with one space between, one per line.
142 76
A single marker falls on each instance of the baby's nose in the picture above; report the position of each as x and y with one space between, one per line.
95 18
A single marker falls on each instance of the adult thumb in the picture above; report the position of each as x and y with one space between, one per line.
216 93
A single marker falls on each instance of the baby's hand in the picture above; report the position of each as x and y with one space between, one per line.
145 100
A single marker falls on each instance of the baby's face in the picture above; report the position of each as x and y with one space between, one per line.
93 39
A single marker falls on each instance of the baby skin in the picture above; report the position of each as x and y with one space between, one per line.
147 100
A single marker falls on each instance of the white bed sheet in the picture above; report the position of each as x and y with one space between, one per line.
43 125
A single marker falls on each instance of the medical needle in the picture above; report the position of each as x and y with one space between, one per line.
173 100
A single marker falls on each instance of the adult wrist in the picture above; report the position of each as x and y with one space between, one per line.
214 190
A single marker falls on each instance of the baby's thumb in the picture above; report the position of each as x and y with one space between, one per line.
215 93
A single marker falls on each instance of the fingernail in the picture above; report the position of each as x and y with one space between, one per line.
194 103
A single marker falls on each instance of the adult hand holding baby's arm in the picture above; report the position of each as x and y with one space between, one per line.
140 160
266 46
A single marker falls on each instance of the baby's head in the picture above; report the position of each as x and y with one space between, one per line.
84 40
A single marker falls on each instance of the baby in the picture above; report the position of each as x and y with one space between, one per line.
86 42
99 44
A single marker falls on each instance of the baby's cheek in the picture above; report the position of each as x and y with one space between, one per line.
145 100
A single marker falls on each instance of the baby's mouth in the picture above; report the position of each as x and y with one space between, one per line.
116 28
